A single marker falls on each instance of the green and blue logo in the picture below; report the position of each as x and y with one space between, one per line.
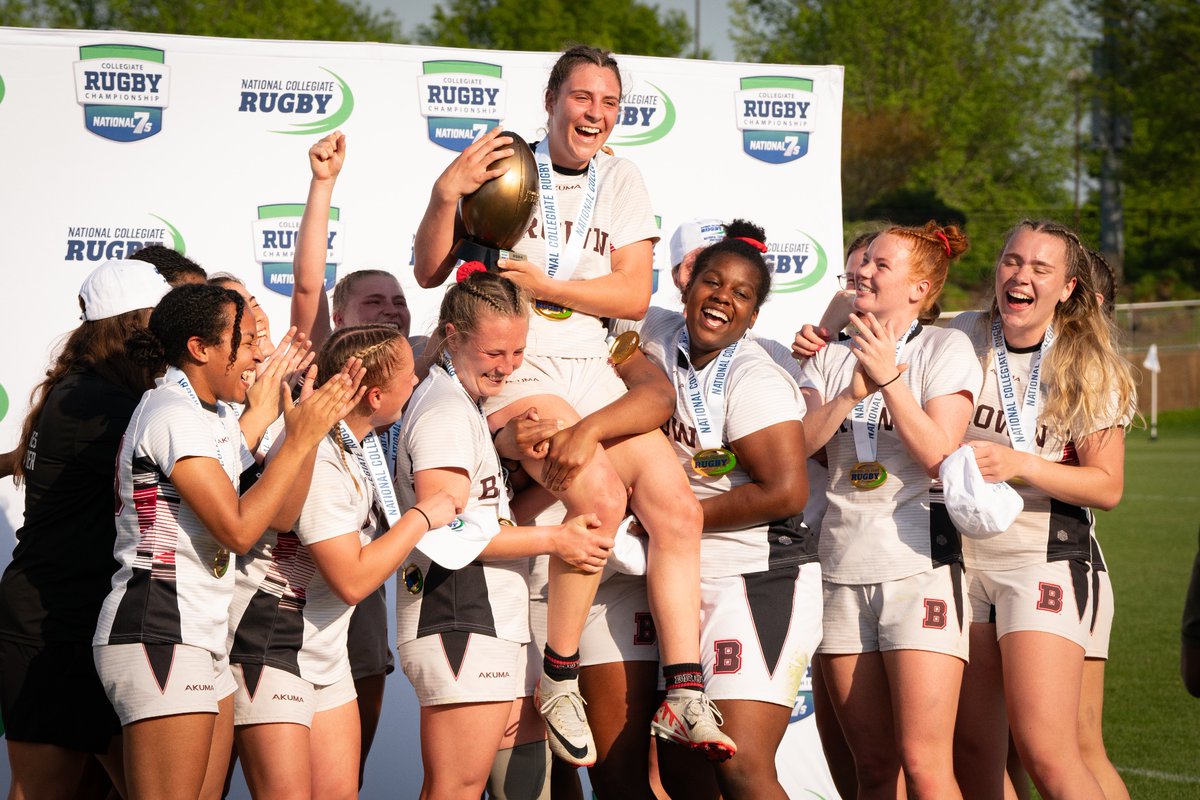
776 114
275 233
461 100
647 114
96 241
322 105
123 90
799 263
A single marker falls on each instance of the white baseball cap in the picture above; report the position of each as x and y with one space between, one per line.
698 232
979 509
459 543
118 286
628 555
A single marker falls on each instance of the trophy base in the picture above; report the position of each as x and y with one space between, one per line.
469 249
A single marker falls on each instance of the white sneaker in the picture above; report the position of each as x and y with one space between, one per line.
689 718
566 722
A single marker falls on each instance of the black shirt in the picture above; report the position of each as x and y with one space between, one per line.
63 563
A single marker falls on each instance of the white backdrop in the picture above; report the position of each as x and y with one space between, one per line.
112 140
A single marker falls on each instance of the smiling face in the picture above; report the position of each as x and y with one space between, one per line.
886 284
375 298
484 359
721 305
228 380
1031 280
582 115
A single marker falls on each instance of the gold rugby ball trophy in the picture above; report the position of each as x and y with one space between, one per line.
497 214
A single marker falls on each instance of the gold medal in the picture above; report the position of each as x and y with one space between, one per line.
506 521
414 581
623 347
551 310
868 475
713 462
220 564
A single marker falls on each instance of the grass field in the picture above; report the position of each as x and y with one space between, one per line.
1151 725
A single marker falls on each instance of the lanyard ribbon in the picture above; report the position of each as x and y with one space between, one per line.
561 262
706 404
1021 420
373 461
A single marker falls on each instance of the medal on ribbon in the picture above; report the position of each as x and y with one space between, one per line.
869 473
623 347
706 405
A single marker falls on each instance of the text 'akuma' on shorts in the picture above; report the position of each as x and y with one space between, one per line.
159 680
268 695
926 611
460 667
758 632
1050 597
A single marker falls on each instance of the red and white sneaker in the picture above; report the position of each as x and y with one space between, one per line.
689 718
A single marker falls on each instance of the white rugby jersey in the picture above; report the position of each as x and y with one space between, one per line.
623 215
888 533
1047 529
165 590
284 613
759 394
443 428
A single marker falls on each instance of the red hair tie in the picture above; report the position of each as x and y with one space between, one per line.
755 243
466 268
945 241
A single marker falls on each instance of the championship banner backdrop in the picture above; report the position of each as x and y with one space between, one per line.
116 140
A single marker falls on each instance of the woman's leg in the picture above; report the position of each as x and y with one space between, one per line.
457 765
44 771
218 751
167 757
521 767
924 690
981 732
1091 735
596 489
667 508
858 688
276 760
1043 674
833 742
334 752
621 700
759 728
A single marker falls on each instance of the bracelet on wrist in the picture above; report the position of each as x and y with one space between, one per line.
428 524
893 380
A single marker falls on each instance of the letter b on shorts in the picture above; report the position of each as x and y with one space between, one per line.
935 614
729 656
1050 597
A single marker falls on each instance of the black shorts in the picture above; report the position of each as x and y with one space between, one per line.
367 638
50 694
